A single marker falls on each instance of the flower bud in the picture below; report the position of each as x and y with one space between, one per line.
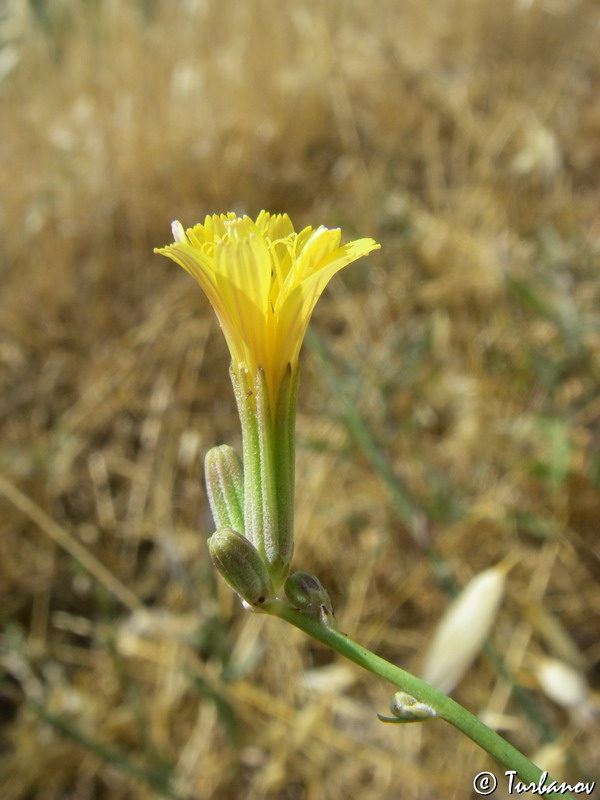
306 593
407 708
225 485
240 564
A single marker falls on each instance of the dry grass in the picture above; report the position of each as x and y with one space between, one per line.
461 385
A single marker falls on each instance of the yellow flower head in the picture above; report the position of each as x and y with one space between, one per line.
263 280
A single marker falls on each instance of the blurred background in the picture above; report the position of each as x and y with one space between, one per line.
449 415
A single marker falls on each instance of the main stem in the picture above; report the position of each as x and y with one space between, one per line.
445 707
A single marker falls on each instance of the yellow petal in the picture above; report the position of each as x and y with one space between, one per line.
263 280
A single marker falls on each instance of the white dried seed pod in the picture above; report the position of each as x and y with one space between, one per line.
463 629
562 683
554 758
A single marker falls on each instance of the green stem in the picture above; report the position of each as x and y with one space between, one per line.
445 707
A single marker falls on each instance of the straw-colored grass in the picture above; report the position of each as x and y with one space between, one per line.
456 403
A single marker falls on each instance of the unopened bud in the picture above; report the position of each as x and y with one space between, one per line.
306 593
239 562
225 486
407 708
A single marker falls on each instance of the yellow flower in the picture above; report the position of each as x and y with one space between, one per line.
263 279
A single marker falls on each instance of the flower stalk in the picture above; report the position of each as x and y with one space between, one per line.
444 707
